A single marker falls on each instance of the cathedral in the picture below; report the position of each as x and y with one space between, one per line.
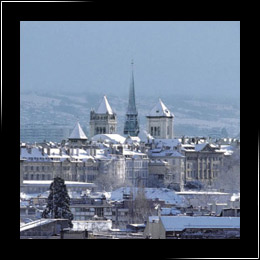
131 126
159 120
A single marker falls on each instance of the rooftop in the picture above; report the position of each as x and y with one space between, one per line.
179 223
104 107
77 132
160 110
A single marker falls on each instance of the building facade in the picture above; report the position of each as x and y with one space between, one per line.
202 162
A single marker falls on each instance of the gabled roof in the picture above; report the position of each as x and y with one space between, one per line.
77 133
104 107
160 110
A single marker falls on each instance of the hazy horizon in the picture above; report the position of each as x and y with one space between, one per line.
170 58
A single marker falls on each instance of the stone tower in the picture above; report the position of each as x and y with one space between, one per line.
77 137
131 126
103 120
160 122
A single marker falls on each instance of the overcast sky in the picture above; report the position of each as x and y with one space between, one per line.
200 58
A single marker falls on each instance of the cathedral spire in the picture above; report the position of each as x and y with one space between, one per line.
131 123
131 102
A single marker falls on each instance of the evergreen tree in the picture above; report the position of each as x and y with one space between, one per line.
58 205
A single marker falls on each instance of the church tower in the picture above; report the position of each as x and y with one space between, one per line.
103 120
160 122
131 126
77 137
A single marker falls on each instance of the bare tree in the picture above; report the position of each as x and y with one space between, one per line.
111 177
139 208
228 179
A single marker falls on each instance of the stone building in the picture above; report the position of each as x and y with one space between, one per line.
103 120
202 162
87 208
166 165
77 137
160 122
185 227
45 163
136 168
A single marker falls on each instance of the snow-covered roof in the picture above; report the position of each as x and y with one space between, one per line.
179 223
92 225
170 211
104 107
166 153
80 154
167 142
133 153
48 183
132 139
36 223
191 192
110 138
77 132
226 149
167 195
235 197
160 110
199 147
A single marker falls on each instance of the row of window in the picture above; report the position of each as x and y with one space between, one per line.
155 131
204 159
136 174
50 168
37 177
193 174
136 164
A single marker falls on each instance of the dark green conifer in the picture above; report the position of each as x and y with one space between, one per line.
58 205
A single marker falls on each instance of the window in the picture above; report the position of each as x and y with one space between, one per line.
99 212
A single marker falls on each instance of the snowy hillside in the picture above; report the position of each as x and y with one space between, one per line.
192 116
